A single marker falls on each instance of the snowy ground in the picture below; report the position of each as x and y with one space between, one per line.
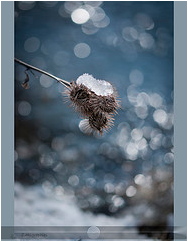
35 207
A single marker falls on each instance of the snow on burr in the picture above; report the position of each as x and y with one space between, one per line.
100 87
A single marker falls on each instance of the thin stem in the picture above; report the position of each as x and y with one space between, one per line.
63 82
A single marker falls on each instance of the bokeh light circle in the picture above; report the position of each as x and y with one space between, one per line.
32 44
82 50
24 108
93 232
80 16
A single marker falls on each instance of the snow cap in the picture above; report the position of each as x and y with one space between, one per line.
100 87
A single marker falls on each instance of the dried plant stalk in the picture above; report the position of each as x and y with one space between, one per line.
95 100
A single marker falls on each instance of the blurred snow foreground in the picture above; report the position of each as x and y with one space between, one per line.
34 207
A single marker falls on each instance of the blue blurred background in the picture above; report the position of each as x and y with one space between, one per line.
129 44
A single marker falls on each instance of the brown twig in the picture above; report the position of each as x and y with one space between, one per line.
63 82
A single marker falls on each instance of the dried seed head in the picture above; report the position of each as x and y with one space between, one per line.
96 100
100 122
96 124
80 97
108 104
86 101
